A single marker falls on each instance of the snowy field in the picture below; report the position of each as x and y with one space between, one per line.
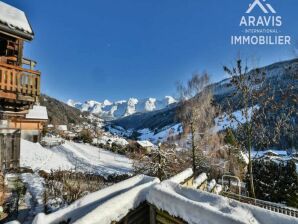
81 157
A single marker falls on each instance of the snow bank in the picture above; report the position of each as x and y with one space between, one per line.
180 177
35 156
199 180
199 207
82 157
104 206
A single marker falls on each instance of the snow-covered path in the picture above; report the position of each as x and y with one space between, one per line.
34 194
82 157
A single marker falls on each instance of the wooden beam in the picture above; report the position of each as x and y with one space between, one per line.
11 96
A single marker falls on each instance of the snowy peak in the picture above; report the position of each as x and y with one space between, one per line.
112 110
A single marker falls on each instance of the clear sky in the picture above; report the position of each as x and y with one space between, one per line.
116 49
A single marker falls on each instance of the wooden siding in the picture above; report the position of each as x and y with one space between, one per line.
26 124
158 216
149 214
10 148
139 215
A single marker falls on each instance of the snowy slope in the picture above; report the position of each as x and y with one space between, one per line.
77 156
123 108
162 135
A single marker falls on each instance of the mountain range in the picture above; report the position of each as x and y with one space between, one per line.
114 110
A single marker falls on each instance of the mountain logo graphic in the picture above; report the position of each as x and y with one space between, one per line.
265 7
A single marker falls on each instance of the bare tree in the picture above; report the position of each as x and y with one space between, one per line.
197 114
162 162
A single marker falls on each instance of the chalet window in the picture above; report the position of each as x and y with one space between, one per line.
3 44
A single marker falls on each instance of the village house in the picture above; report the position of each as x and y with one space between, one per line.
31 124
147 145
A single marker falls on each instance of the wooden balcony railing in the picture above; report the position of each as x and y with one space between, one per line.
17 83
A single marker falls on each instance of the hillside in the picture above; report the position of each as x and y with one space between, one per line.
279 75
59 112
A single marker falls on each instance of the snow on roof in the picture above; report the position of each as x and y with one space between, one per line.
196 207
258 154
38 112
180 177
62 127
199 180
112 203
14 19
145 143
111 139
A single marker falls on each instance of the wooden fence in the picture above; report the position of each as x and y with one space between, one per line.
10 140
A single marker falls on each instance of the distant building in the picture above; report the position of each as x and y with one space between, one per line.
31 124
147 145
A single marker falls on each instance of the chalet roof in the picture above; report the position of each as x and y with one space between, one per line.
37 113
145 143
14 21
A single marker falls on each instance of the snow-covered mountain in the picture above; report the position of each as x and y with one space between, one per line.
123 108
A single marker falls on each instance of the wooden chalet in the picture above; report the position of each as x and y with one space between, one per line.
19 82
19 86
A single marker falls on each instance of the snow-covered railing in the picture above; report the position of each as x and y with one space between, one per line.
199 180
105 206
182 177
263 204
195 206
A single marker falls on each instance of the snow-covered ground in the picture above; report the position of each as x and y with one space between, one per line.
82 157
147 134
237 118
34 195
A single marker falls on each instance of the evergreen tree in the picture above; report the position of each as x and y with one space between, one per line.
276 182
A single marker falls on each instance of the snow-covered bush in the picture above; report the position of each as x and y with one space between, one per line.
162 162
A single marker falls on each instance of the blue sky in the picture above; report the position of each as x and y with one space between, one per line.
116 49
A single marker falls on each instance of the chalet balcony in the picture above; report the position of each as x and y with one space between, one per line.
18 86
